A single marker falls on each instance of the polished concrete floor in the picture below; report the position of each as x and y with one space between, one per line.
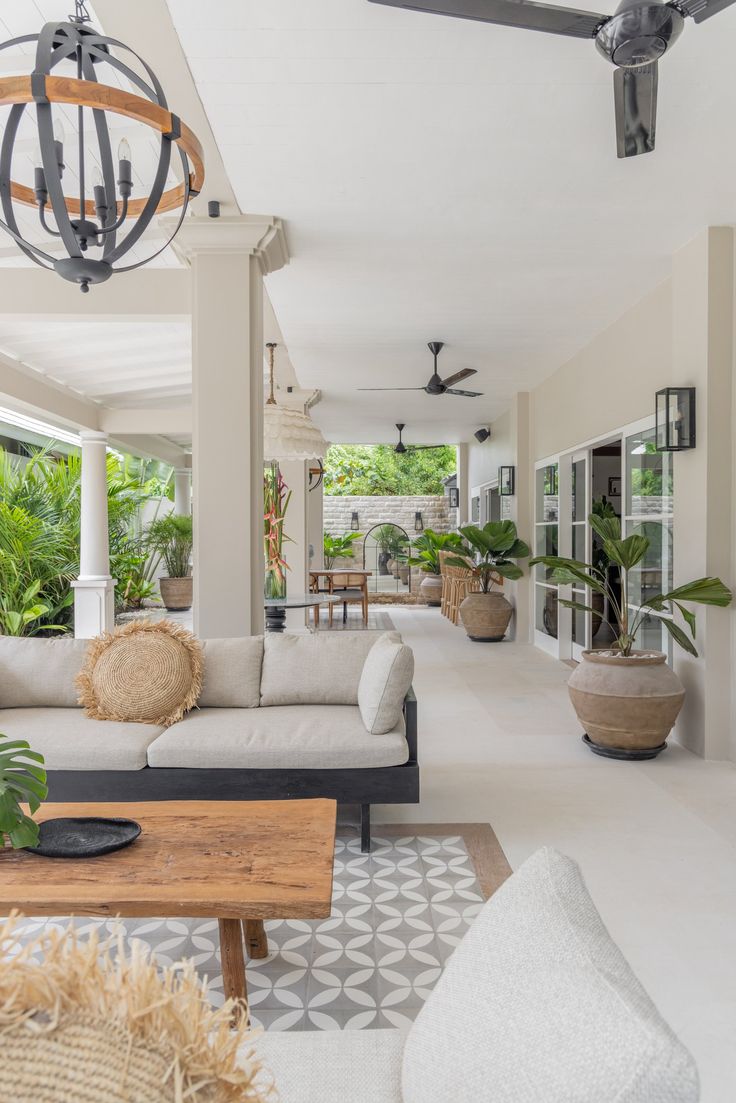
499 743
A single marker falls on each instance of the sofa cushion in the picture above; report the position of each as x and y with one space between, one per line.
319 737
68 740
232 673
341 1066
40 673
320 669
538 1003
384 683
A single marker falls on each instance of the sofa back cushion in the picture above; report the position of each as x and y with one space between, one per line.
232 673
40 673
319 669
384 683
538 1003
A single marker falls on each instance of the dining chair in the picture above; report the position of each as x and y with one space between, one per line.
351 589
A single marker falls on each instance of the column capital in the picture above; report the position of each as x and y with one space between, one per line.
261 236
92 436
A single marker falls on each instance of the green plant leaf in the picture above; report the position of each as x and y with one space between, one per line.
703 591
507 570
608 528
626 553
688 616
578 605
679 636
24 833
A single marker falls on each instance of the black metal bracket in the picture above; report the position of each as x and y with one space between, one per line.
175 131
38 88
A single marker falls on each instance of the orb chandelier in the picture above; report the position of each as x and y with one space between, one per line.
87 226
288 434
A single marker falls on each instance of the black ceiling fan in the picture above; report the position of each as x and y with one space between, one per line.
633 39
437 386
401 448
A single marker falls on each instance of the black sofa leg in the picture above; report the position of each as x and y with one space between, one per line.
365 828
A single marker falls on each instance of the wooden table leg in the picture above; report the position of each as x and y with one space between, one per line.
233 964
255 938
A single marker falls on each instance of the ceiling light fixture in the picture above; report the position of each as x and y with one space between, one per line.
95 216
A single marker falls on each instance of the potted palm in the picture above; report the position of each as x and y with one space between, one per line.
426 549
171 537
626 699
489 553
338 547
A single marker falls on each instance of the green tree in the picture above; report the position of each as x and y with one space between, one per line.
376 469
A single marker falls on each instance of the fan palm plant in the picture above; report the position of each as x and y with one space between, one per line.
338 547
489 555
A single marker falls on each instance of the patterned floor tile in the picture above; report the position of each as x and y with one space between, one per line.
398 914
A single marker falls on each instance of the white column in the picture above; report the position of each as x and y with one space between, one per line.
94 590
463 513
228 258
182 491
296 549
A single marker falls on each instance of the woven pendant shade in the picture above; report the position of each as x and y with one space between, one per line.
291 435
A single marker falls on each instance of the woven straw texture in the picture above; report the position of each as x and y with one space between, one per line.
89 1024
145 672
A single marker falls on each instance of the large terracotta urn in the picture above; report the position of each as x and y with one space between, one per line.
431 589
176 593
627 704
486 617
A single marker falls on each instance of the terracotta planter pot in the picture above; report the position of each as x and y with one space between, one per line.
628 706
485 617
176 593
431 589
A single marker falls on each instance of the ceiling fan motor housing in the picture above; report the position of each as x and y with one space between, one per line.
639 34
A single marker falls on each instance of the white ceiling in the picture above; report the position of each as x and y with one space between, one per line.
450 180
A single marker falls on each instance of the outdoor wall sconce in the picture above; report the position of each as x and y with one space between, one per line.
418 522
354 522
675 419
454 496
482 435
507 481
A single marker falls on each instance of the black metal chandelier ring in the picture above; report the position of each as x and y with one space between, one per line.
82 223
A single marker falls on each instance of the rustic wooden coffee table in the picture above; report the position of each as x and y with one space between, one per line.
239 862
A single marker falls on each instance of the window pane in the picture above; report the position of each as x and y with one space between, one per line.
475 510
650 477
547 496
579 618
547 544
654 574
578 542
578 491
546 610
653 636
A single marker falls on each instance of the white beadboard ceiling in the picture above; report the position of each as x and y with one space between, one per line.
445 179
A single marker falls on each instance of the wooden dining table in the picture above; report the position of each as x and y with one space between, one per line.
332 576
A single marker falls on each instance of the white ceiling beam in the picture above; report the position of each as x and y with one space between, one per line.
150 447
172 421
23 388
148 295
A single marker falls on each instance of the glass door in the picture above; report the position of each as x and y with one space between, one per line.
546 542
580 626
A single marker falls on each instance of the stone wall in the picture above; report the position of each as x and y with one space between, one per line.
377 510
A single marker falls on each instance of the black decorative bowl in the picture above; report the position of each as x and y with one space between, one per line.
84 837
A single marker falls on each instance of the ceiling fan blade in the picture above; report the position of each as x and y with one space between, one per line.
635 99
459 376
700 10
390 388
466 394
512 13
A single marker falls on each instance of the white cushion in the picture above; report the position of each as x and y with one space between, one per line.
69 740
341 1066
384 683
40 672
319 669
318 737
538 1005
232 673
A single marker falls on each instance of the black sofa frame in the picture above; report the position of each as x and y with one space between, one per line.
366 786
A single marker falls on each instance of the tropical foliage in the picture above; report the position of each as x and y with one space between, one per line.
40 502
22 781
628 614
427 547
276 497
490 553
172 538
338 547
378 469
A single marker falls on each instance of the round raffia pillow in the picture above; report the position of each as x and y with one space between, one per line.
81 1024
147 672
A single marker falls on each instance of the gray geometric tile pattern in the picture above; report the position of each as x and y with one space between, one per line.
397 915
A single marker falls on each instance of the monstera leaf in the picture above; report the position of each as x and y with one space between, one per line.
22 780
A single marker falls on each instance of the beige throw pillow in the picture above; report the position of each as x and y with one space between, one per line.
145 673
384 683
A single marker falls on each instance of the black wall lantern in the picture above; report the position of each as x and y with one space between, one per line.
88 224
507 481
354 522
675 419
418 522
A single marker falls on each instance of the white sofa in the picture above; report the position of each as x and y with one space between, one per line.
536 1005
277 717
